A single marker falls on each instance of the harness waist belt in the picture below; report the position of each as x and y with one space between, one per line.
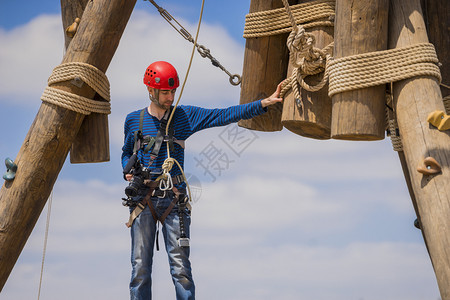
154 184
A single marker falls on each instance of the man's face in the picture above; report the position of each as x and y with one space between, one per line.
166 97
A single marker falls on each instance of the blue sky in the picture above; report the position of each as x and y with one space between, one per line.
288 218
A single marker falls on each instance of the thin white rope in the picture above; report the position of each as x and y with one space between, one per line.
44 250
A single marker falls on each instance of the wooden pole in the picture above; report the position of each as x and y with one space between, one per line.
92 141
48 141
70 11
265 65
313 118
360 27
414 99
437 14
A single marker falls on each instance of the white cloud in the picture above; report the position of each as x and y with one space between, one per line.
356 271
27 56
264 203
242 234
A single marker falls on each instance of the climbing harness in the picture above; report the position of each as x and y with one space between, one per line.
142 174
204 52
158 188
165 180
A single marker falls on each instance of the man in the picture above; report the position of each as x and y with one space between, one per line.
153 200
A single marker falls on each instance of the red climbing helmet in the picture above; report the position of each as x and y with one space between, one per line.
161 75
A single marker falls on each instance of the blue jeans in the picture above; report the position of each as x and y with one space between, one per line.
143 233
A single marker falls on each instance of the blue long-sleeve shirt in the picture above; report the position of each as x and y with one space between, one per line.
186 121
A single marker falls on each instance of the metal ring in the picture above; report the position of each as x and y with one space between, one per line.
237 77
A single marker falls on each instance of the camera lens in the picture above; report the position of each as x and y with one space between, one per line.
131 191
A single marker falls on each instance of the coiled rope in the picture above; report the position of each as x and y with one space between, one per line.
78 73
381 67
271 22
304 57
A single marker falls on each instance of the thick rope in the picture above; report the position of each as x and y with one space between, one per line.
304 57
381 67
392 129
169 162
74 102
446 101
272 22
78 73
395 137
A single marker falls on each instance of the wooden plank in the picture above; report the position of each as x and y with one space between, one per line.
265 65
48 141
361 26
414 99
313 118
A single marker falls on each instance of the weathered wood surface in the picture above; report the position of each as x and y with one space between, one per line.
414 99
265 65
313 118
50 137
437 15
92 141
361 26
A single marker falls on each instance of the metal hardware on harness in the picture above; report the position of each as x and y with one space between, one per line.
235 79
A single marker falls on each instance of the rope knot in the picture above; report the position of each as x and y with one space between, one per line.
167 165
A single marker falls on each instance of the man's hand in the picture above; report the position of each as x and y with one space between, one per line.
274 98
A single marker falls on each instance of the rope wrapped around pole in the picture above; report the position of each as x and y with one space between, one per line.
381 67
276 21
79 73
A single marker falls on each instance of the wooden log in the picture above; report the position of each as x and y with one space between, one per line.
71 10
265 65
49 139
360 27
313 118
414 99
437 14
92 141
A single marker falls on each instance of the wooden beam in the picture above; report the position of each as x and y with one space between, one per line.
438 27
49 139
313 118
92 141
414 99
265 65
361 26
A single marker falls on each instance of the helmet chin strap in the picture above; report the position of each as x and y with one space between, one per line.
155 99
